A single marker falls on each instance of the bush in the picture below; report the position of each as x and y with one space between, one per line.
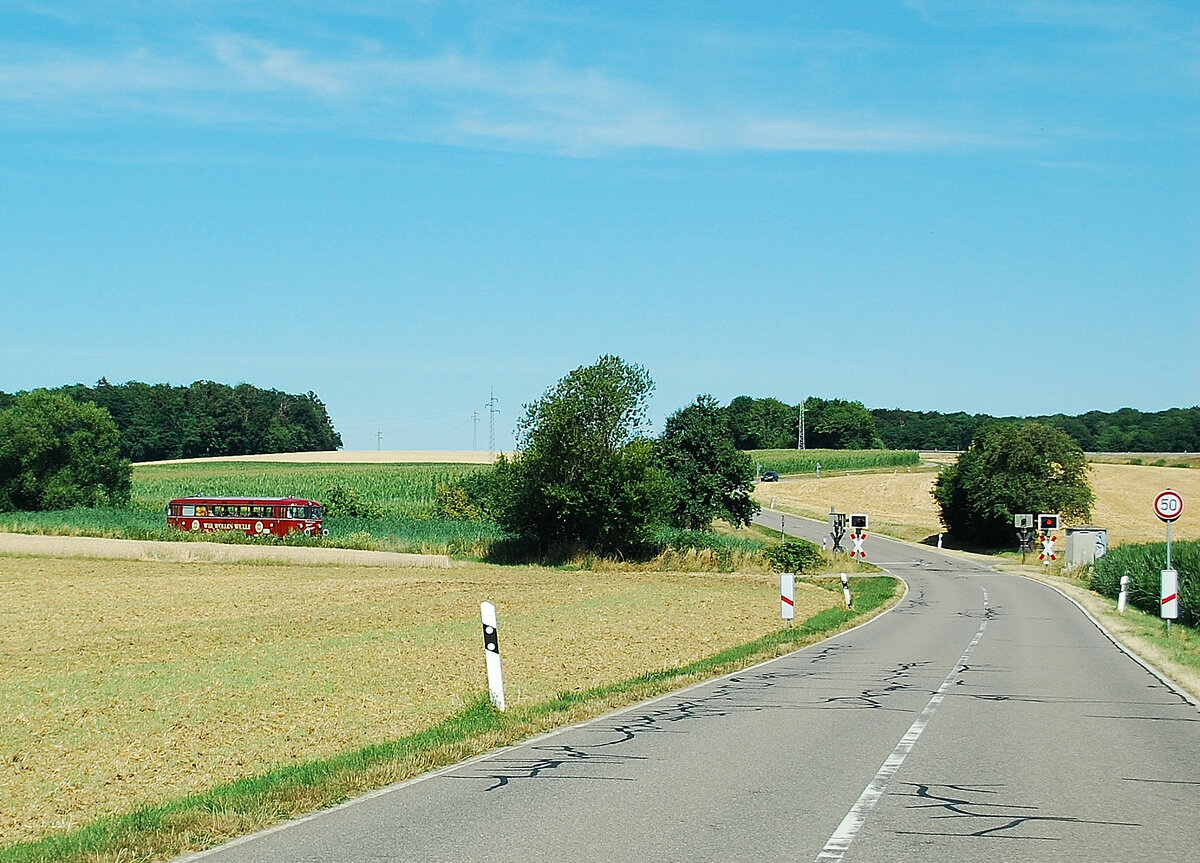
341 500
794 555
455 502
1143 563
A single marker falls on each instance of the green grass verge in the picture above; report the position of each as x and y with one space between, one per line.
234 809
1181 645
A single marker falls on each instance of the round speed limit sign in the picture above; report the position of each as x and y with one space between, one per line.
1168 505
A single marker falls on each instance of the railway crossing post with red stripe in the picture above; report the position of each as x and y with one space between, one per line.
1170 595
787 596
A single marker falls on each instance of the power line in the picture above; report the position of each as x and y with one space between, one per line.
492 411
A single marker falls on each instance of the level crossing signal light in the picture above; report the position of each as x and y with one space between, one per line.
1047 524
858 532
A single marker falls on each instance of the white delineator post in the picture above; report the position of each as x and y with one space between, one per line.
846 591
787 595
1123 596
491 650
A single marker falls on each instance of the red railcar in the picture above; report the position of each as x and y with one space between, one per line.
254 516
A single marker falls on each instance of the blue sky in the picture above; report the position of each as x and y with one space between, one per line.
937 205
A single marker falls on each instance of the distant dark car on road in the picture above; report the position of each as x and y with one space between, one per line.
770 476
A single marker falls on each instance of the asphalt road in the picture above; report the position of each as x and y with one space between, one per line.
985 718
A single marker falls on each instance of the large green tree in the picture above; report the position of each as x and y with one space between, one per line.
1012 468
709 476
762 423
56 453
839 424
584 477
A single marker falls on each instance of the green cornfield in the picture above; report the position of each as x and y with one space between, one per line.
806 461
1143 563
400 490
404 495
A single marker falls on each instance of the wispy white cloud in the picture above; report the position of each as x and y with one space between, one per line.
258 64
448 98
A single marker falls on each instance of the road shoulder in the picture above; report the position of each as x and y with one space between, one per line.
1118 627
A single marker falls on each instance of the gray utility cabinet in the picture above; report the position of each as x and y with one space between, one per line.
1085 544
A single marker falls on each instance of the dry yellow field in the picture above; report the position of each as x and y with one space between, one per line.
131 682
898 503
1125 497
901 503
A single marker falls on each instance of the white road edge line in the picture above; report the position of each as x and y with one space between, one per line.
846 832
1165 679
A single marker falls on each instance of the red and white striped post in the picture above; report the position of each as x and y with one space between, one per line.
1169 598
787 596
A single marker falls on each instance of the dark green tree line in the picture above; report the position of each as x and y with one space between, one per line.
159 421
1125 430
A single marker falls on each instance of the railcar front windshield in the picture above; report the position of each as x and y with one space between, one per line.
304 512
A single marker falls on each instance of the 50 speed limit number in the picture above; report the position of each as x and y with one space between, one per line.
1168 505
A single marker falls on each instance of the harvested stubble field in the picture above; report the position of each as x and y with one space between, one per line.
900 504
131 682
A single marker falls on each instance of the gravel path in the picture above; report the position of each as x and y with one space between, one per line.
133 549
